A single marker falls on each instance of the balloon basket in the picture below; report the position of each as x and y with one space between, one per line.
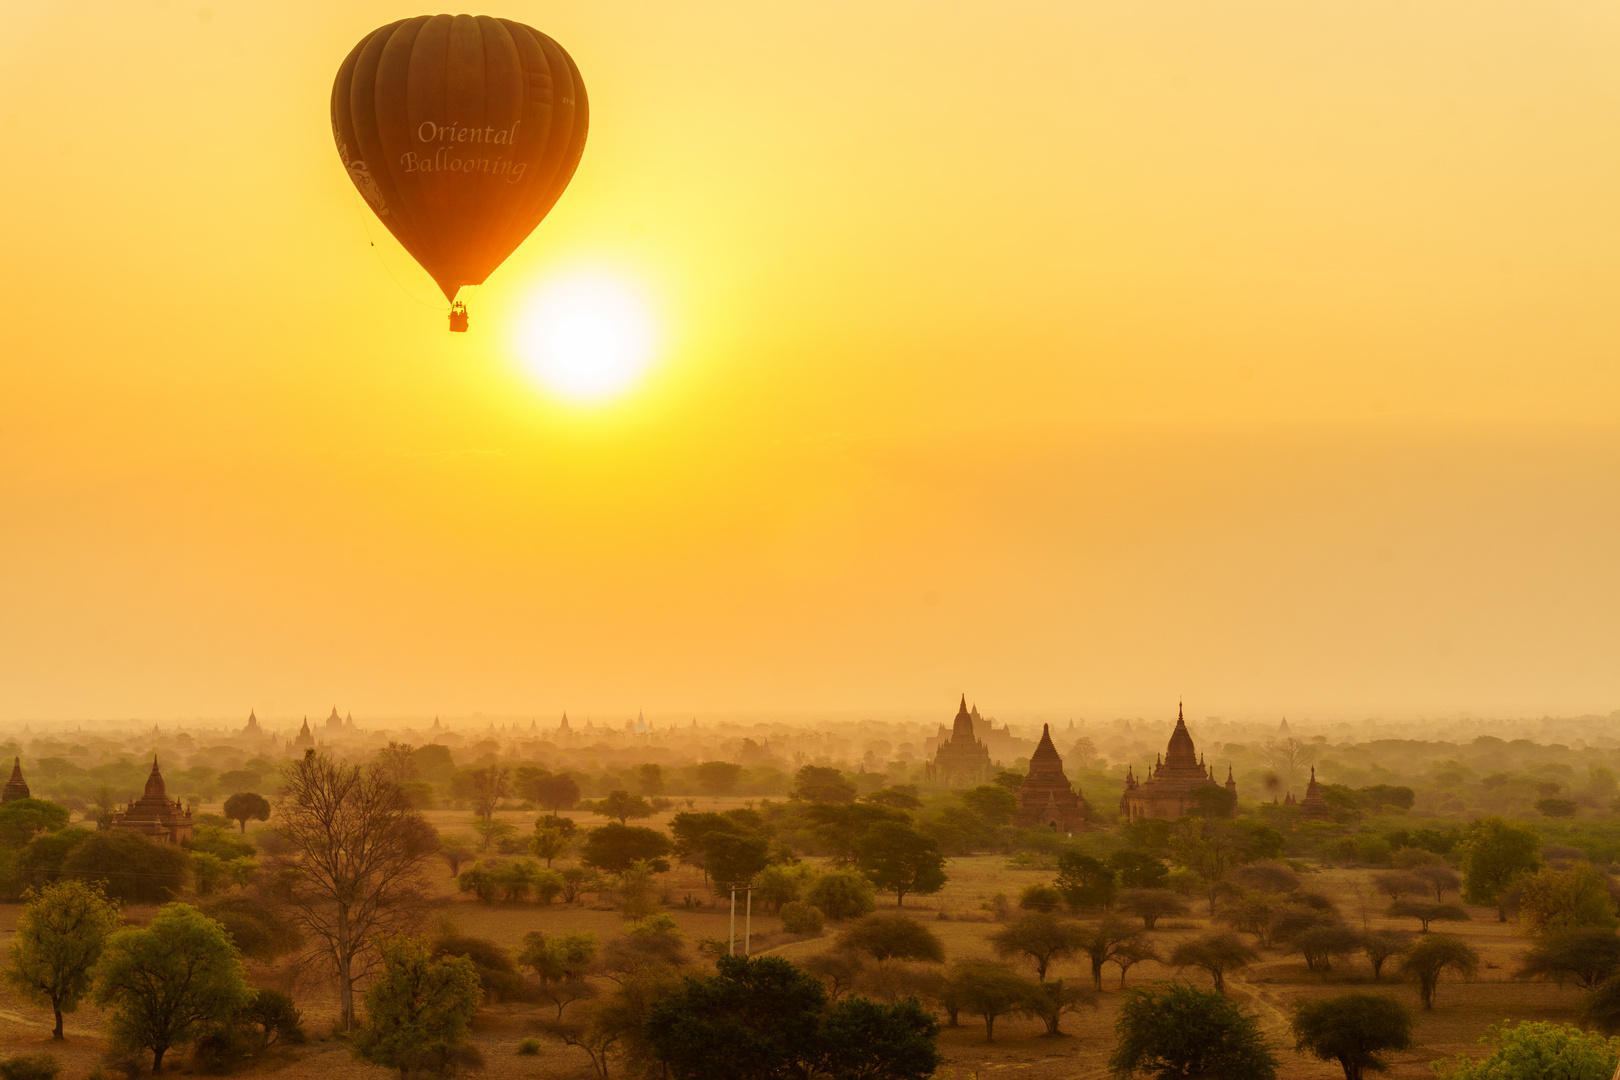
458 318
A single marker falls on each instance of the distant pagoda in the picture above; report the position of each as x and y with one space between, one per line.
1046 797
153 815
1313 807
16 788
962 760
1167 791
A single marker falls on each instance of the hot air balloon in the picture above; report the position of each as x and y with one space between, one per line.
461 132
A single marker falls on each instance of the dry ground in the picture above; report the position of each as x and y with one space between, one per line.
1463 1011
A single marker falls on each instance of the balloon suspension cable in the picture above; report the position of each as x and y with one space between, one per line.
458 318
362 211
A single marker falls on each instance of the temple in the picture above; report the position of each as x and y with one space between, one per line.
153 815
306 738
1167 791
962 760
1313 807
1046 797
16 788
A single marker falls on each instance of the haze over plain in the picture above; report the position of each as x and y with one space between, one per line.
1079 357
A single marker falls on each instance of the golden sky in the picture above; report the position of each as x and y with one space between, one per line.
1078 355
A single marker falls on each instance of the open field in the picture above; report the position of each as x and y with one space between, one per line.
959 915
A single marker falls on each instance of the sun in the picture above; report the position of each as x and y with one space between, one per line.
587 336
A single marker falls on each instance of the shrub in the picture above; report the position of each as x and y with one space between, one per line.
136 870
1040 897
898 937
30 1067
496 973
1534 1051
1353 1030
529 1047
1182 1031
799 918
842 894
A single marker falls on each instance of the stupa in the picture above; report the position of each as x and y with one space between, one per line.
962 760
16 788
1313 807
1167 791
153 815
1046 797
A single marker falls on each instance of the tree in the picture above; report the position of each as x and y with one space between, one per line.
1288 757
1132 953
901 860
59 939
1380 946
1432 956
1216 954
1041 937
1585 954
491 831
763 1017
717 778
1494 855
613 847
455 850
418 1009
169 983
247 806
488 787
991 802
822 784
650 779
1426 913
893 937
1437 876
1552 900
1181 1031
778 885
547 842
624 806
396 762
841 894
1210 849
899 797
840 827
990 990
561 963
1354 1030
1320 944
136 870
356 851
1212 802
256 928
1051 1000
1537 1051
1039 896
1139 869
1557 808
734 858
1151 905
1400 883
1084 882
837 969
1103 942
23 819
555 793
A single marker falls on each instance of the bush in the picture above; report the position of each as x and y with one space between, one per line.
1040 897
885 937
800 918
255 928
841 894
30 1067
496 973
1533 1051
529 1047
136 870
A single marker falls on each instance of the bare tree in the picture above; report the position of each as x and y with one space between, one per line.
396 763
1288 757
489 787
356 854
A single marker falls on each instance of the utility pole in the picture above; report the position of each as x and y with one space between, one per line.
747 889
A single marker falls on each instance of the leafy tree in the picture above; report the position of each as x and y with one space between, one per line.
418 1009
763 1017
548 843
480 880
1179 1031
990 990
634 886
624 806
1084 882
839 827
170 982
1429 958
497 975
136 870
1551 900
837 970
717 778
1210 850
556 793
456 849
1051 1000
898 797
1040 936
613 847
23 819
1319 945
1399 883
492 831
1132 953
1537 1051
901 860
561 963
730 857
1039 896
40 863
1426 913
1139 869
1354 1030
1438 877
991 802
247 806
59 939
1212 802
800 918
1379 946
650 779
258 929
1494 855
1216 954
1557 808
1151 905
893 937
488 787
1585 954
778 885
841 894
1105 941
822 784
356 852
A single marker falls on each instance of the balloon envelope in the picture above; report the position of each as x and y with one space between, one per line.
461 131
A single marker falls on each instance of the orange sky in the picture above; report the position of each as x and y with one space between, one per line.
1080 356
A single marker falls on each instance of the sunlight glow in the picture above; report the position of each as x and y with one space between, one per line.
587 336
